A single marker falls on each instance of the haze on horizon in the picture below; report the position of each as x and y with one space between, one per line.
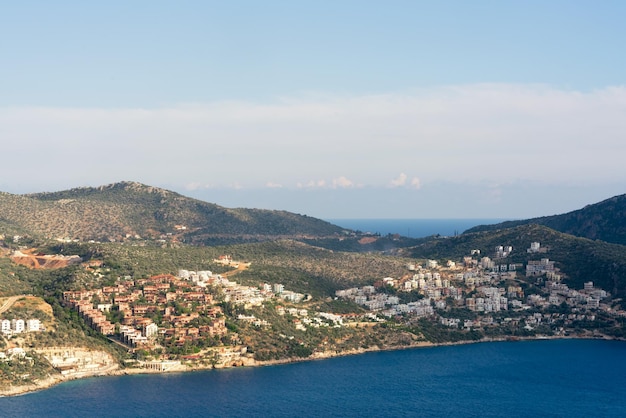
349 109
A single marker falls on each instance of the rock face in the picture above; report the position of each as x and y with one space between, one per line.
71 363
79 362
26 258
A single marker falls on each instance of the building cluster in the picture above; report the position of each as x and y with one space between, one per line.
170 309
71 360
490 299
476 285
302 318
555 294
82 302
503 251
173 302
236 293
253 320
279 291
13 354
17 326
388 305
589 297
539 267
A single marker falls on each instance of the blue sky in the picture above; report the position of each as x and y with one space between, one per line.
330 108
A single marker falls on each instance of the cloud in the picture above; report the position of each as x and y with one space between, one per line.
398 181
416 183
403 181
311 184
342 183
272 185
465 133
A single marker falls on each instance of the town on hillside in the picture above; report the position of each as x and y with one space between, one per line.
202 318
167 311
490 294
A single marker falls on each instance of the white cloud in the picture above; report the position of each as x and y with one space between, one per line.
416 183
342 183
272 185
466 133
403 181
398 181
312 184
316 183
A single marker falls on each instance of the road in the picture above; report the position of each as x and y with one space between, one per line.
9 302
242 266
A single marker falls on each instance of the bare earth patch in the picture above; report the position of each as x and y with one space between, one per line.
42 261
367 240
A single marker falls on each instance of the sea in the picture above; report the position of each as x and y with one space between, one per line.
414 228
546 378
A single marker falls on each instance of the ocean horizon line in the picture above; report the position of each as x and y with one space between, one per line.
413 227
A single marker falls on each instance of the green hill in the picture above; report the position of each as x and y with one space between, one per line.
604 221
128 210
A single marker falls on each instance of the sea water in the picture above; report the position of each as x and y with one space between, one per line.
554 378
413 228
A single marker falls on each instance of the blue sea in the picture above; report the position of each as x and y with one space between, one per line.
548 378
413 228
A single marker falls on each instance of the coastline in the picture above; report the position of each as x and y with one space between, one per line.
117 371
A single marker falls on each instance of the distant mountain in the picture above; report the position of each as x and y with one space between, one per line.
604 221
580 259
128 210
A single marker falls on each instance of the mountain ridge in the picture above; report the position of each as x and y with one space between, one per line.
605 221
128 209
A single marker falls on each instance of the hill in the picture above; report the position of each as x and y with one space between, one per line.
604 221
126 210
580 259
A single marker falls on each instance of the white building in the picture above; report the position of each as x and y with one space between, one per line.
33 325
534 247
535 268
150 330
18 325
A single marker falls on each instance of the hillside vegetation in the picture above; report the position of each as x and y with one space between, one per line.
133 210
605 221
300 267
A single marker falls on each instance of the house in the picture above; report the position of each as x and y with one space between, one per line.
33 325
150 330
140 310
5 326
18 325
537 268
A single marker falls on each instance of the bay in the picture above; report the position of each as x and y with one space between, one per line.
413 228
555 378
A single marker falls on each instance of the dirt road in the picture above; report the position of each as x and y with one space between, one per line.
9 302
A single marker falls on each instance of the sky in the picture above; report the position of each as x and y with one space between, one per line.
334 109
